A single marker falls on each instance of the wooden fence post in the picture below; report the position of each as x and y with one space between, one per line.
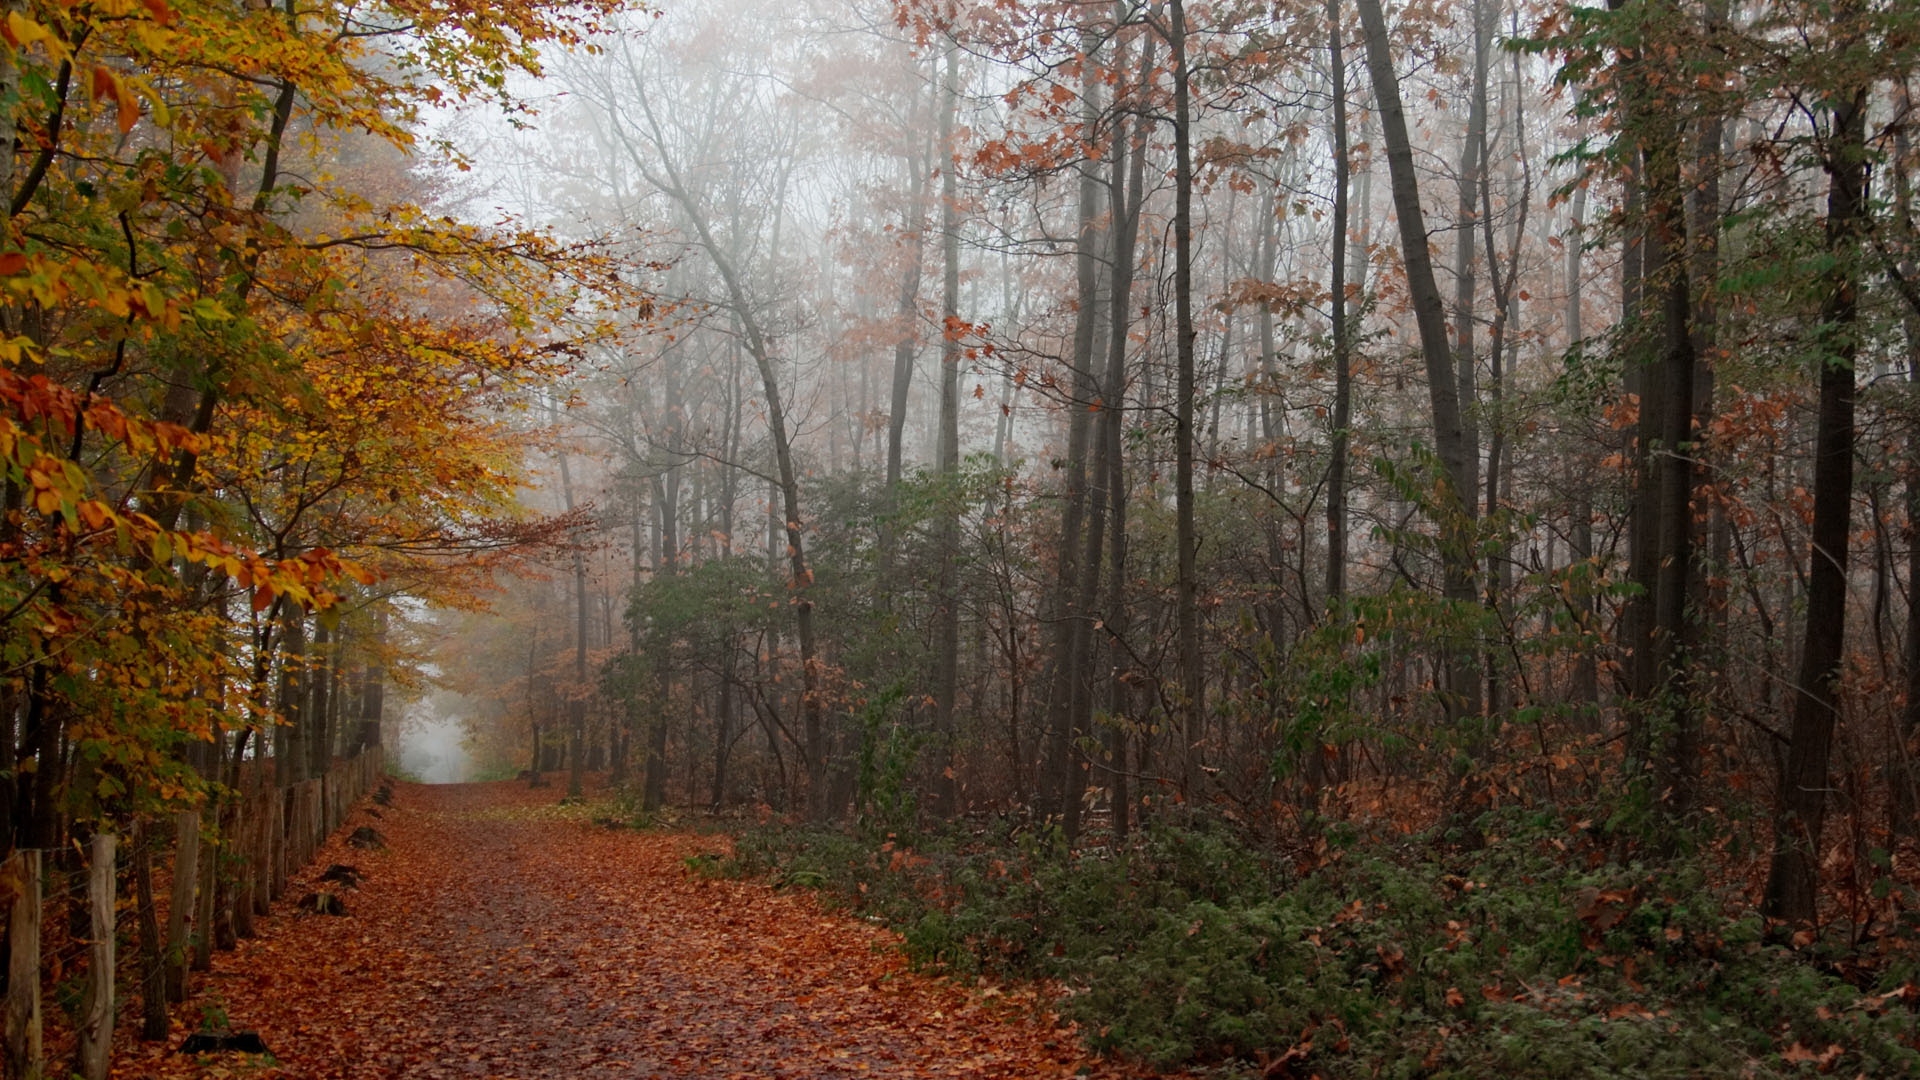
312 818
236 884
280 861
268 838
206 901
96 1022
26 1058
186 874
302 848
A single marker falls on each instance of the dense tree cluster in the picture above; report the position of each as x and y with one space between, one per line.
256 390
1320 418
1303 411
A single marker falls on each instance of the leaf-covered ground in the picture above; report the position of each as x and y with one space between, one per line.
496 937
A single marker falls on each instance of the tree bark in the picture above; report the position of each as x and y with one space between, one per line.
1451 445
186 873
946 628
1585 691
1128 186
26 1056
1342 345
96 1021
291 754
1906 780
1468 182
1793 878
576 700
322 661
154 956
1192 701
1068 623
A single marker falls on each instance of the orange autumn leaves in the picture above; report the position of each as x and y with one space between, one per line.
243 370
501 936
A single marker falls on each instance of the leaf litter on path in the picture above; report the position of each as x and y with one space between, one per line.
497 941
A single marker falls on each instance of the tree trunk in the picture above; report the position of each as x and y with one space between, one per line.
291 756
1128 183
1473 155
1455 506
946 628
1585 691
666 492
26 1056
907 311
96 1021
1192 700
1067 623
1342 346
319 715
1793 879
1906 780
155 958
186 873
577 699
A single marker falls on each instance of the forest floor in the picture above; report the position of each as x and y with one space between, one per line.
499 935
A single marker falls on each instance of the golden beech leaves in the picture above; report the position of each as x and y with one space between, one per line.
260 375
108 85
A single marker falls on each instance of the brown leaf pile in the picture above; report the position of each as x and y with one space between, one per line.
493 940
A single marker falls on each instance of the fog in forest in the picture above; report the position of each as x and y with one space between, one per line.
1087 410
1028 398
431 743
1345 538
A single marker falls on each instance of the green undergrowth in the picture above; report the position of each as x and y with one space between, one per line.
1526 957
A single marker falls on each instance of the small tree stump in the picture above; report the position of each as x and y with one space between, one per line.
342 874
322 903
223 1042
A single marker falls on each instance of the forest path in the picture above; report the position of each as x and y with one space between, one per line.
499 936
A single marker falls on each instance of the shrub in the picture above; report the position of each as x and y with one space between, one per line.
1191 946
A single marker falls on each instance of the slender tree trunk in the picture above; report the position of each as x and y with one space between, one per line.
1586 671
1192 700
26 1056
946 629
1906 780
1128 185
539 756
1501 352
666 491
154 956
635 717
1451 443
1705 214
320 714
1663 714
1342 346
373 690
576 701
186 874
1793 879
907 311
206 896
1473 154
291 754
1068 623
1672 476
96 1020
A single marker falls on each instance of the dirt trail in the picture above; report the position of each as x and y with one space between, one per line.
493 939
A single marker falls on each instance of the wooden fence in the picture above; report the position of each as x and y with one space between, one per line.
269 830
